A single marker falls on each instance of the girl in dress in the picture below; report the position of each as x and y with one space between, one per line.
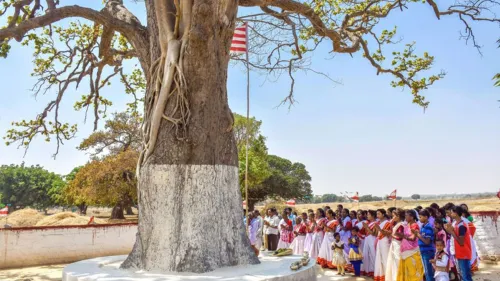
338 258
370 241
432 217
355 255
398 219
325 254
344 229
318 234
384 229
299 232
354 217
410 266
440 232
286 232
309 233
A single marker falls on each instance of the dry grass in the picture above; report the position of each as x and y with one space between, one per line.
22 218
67 218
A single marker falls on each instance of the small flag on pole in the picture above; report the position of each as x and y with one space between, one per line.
4 212
239 43
355 198
392 195
290 202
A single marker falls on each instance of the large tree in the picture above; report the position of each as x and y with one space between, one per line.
188 166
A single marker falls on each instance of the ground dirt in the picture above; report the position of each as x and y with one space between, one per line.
488 272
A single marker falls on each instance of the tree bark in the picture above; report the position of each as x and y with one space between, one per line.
117 212
83 208
190 215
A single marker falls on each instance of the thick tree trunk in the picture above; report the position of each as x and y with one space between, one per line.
117 212
190 215
83 208
129 211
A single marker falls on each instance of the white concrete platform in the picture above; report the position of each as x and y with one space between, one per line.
270 269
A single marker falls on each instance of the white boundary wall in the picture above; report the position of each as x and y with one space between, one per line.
31 246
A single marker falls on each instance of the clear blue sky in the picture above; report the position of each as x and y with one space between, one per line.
361 136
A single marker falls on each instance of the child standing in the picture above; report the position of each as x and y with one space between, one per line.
440 262
355 255
338 254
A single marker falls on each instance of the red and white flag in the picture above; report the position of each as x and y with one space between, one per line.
355 198
392 195
4 212
239 43
290 202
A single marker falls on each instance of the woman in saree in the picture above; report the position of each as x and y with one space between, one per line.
370 241
309 233
384 229
410 266
325 253
391 271
318 233
361 218
286 232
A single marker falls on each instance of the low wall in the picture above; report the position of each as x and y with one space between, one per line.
30 246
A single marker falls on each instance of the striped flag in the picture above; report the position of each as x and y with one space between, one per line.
239 43
392 195
355 198
4 212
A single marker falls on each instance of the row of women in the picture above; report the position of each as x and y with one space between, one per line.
404 245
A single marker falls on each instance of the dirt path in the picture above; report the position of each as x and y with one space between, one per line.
54 273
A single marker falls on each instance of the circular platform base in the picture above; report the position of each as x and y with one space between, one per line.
270 269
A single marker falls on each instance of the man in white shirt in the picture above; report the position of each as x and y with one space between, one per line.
272 222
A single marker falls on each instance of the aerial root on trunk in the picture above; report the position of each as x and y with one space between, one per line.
168 99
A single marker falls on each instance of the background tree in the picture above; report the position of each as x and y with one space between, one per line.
118 141
269 176
415 197
327 198
183 51
286 180
71 196
29 186
121 133
258 167
109 181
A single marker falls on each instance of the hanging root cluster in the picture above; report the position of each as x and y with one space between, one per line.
167 100
168 97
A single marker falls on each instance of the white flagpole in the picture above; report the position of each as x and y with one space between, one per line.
248 120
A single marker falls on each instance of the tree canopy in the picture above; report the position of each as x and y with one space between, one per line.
269 176
31 186
284 35
109 178
105 182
